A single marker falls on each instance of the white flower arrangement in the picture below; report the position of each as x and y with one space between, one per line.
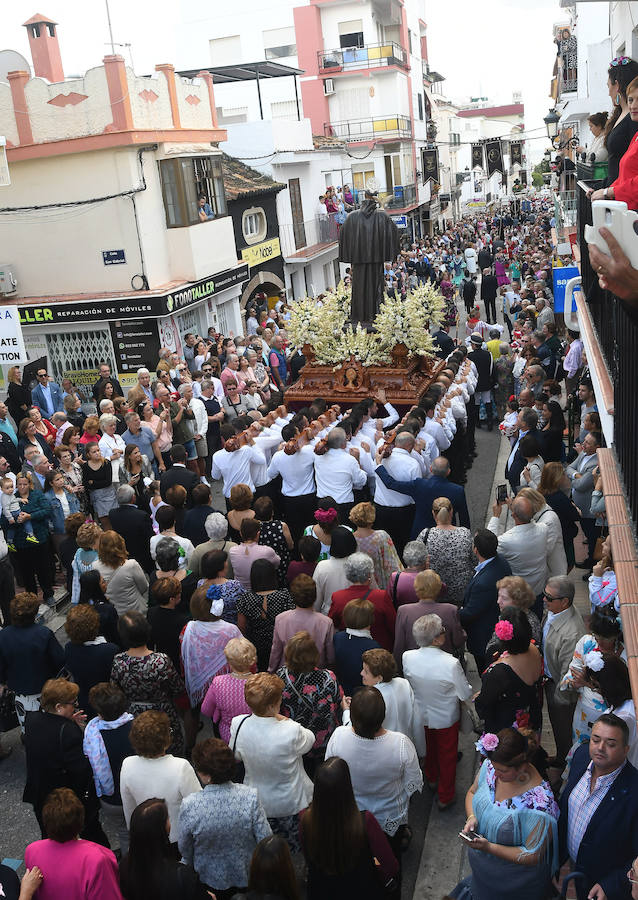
397 322
594 660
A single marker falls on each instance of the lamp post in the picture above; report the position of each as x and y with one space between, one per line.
551 121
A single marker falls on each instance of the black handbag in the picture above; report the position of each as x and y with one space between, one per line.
8 717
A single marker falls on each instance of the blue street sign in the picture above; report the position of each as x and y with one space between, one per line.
561 275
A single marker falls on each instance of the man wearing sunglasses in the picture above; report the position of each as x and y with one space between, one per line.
47 395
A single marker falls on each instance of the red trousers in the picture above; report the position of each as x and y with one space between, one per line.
440 759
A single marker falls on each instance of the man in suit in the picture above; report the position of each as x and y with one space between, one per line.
47 395
580 473
516 462
424 492
563 627
489 290
485 259
468 290
598 824
484 363
479 613
134 525
106 377
179 474
444 342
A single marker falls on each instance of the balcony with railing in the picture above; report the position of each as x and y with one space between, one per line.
310 237
371 128
371 56
609 330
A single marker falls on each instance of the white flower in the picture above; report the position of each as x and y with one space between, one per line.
594 660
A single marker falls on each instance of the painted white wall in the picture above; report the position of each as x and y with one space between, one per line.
623 28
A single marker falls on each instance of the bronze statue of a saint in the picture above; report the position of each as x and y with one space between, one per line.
367 239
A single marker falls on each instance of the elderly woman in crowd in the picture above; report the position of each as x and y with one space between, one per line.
510 692
216 527
311 695
515 591
427 587
111 444
106 745
259 607
154 770
203 643
379 670
282 784
359 570
543 513
148 679
54 757
167 558
503 371
383 765
220 826
71 867
513 814
303 618
88 658
377 544
33 551
449 550
126 583
401 584
225 697
249 551
351 644
439 683
151 868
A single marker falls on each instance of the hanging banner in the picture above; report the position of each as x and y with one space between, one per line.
516 154
477 156
494 153
12 348
430 165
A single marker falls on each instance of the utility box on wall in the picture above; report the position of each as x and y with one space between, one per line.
8 282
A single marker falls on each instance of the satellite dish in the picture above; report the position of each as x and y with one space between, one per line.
372 185
12 61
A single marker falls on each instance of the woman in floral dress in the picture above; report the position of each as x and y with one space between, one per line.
378 545
450 551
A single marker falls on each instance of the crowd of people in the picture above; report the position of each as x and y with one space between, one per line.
320 627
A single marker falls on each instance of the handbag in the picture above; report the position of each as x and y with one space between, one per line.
469 718
240 770
8 716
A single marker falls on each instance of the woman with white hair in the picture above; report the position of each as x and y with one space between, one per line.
111 444
401 584
438 682
216 527
359 570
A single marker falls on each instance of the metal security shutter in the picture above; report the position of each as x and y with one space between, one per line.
79 352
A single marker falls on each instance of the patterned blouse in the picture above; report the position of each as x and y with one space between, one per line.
224 700
450 553
260 613
540 797
381 550
312 699
272 535
151 682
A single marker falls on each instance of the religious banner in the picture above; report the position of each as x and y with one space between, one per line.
477 156
516 154
430 165
494 153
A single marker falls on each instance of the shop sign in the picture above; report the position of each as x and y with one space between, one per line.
133 307
260 253
12 350
82 377
136 344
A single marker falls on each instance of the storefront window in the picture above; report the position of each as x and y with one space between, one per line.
184 180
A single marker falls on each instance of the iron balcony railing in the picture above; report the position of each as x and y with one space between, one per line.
370 56
372 127
617 332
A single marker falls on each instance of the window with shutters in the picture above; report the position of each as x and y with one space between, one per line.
186 178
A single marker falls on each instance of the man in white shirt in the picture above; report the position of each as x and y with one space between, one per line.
438 682
526 545
297 472
395 512
434 426
338 473
201 431
234 465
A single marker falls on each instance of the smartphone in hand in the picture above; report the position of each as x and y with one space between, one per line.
469 836
501 493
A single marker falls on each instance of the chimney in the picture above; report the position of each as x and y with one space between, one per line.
45 51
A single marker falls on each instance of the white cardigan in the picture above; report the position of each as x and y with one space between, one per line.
167 776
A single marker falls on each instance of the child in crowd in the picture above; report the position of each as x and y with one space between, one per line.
88 538
11 510
508 426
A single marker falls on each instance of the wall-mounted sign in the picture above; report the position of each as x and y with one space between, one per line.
12 350
137 306
259 253
113 257
136 344
400 221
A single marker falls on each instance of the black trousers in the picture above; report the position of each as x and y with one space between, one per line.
490 310
298 513
35 559
397 521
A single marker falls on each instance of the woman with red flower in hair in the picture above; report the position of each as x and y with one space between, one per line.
511 684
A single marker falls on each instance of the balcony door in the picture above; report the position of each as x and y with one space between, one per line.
296 206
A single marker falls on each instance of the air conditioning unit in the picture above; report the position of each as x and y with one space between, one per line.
8 282
329 86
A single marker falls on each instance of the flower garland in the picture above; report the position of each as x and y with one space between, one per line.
323 326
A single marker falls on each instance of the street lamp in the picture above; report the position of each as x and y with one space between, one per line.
551 121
